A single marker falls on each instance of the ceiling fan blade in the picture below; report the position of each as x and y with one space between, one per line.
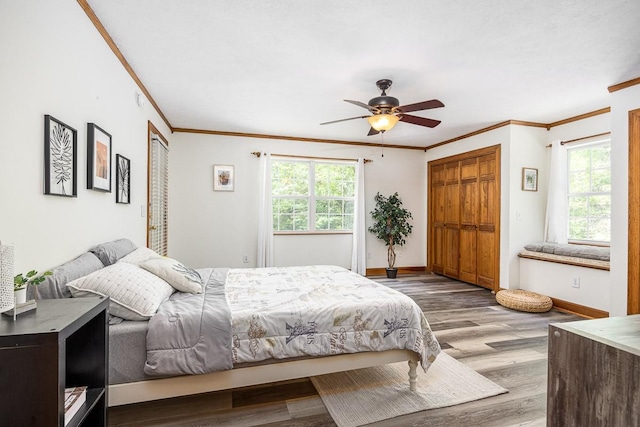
424 105
344 120
363 105
372 131
421 121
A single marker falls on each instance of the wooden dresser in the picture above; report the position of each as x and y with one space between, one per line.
594 373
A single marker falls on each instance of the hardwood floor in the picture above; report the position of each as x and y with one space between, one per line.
506 346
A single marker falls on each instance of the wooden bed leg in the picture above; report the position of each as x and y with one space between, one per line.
413 374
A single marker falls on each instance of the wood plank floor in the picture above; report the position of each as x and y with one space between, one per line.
506 346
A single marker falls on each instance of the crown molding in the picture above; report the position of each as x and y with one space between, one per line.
293 138
521 123
624 85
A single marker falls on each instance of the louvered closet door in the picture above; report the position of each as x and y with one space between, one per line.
157 218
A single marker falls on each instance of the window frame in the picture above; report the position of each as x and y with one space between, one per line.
311 182
586 145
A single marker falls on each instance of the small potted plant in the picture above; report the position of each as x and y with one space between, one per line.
391 225
21 281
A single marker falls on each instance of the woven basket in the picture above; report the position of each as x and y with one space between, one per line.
521 300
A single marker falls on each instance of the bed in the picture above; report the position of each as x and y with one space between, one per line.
213 329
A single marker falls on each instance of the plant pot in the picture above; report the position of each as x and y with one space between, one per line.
21 296
392 272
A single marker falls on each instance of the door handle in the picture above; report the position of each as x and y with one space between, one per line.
153 227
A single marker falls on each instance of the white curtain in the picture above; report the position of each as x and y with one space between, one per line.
358 253
265 212
555 228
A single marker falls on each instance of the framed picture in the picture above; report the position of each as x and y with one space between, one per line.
98 159
529 179
60 164
123 179
223 178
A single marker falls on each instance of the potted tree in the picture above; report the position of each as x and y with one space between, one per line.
391 225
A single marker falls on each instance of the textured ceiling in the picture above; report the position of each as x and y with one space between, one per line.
281 67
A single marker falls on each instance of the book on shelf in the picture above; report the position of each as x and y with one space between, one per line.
74 398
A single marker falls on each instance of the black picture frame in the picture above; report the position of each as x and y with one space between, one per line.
123 180
60 158
98 158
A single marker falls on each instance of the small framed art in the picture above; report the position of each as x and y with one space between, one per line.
529 179
98 159
60 164
123 179
223 178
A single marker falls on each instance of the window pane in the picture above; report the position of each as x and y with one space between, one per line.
601 180
348 222
349 206
579 206
301 222
579 159
578 228
590 192
285 222
579 182
335 223
600 206
290 178
292 196
601 156
599 229
335 206
322 222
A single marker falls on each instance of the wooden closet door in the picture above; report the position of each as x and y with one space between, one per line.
464 217
488 244
451 219
468 220
436 211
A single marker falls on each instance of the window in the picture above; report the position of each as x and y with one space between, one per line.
589 168
312 196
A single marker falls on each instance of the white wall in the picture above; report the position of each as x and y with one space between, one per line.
527 209
554 280
208 228
53 61
622 102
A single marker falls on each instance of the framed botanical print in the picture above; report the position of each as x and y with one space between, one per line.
123 179
98 159
529 179
60 158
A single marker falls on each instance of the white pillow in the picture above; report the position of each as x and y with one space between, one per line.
139 256
182 278
135 293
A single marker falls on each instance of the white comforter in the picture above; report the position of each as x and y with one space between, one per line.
321 310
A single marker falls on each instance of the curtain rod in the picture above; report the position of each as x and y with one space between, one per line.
569 141
258 154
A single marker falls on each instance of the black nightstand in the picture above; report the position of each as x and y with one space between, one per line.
62 343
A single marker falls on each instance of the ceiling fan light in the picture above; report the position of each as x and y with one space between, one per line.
383 122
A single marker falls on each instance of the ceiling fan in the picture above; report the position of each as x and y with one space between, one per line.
386 111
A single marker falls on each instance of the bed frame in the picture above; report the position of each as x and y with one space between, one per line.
142 391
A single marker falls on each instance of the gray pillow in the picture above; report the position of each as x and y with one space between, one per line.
55 286
111 252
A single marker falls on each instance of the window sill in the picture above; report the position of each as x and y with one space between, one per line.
310 233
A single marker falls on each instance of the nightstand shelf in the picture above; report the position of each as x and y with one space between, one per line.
63 343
